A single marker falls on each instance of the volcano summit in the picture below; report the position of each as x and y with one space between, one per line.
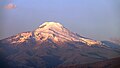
52 45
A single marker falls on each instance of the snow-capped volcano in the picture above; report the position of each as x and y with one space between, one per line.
53 31
52 45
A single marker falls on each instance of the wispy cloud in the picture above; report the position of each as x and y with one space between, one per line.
10 6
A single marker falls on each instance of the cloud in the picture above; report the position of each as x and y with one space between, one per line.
10 6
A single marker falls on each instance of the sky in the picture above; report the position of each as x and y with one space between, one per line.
96 19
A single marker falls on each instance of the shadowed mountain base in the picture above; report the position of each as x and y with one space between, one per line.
111 63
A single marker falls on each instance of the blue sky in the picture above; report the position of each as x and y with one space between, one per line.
95 19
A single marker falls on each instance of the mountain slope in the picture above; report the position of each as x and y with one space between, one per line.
52 45
110 63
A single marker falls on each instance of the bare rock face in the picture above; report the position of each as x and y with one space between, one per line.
52 45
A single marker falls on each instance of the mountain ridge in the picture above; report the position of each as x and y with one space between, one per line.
54 31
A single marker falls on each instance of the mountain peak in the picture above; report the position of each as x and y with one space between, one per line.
58 33
51 25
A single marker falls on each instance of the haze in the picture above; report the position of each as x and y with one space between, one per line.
95 19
